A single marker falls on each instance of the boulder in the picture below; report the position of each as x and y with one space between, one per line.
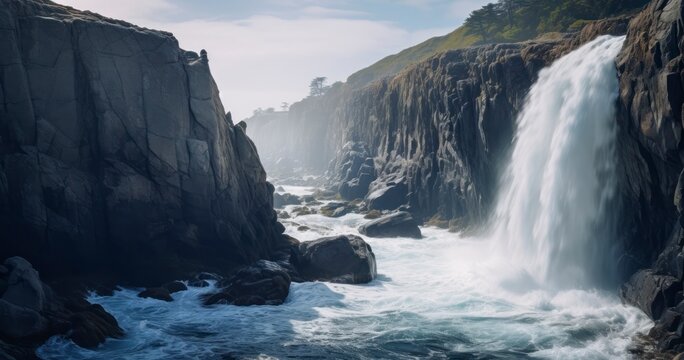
282 200
399 224
175 286
91 325
31 311
342 259
651 292
388 196
207 276
24 287
336 209
198 283
20 322
262 283
158 293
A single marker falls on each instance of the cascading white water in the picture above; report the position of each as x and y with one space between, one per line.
440 296
552 213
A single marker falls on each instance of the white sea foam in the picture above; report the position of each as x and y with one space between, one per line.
443 296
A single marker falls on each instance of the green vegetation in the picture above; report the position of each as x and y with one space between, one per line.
517 20
503 21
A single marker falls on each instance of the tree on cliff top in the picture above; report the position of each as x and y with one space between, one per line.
516 20
317 86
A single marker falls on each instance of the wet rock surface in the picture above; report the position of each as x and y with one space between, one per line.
650 118
353 171
282 200
399 224
342 259
262 283
117 156
31 312
158 293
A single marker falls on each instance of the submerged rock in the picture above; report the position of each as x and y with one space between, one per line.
387 196
175 286
336 209
198 283
262 283
282 200
399 224
92 325
342 259
18 322
30 311
158 293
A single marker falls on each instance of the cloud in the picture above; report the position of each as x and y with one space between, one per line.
331 12
261 61
129 10
463 8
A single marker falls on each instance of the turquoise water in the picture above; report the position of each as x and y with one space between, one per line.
438 297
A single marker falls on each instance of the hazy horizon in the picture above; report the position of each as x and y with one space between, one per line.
264 53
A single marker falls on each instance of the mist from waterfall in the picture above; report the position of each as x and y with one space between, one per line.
446 295
553 216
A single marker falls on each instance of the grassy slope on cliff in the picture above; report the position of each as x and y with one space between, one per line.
504 21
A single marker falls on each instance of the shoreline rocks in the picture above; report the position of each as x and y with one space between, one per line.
31 312
118 157
343 259
262 283
399 224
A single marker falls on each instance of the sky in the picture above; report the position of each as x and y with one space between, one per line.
265 52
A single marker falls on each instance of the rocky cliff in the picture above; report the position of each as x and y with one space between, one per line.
651 68
297 138
116 154
436 133
432 139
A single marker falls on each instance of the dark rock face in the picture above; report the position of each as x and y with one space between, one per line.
432 137
342 259
116 154
175 286
337 209
352 171
158 293
388 195
651 292
198 283
17 322
282 200
298 138
400 224
651 68
262 283
24 287
92 325
31 312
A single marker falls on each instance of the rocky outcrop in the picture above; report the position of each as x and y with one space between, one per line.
31 312
262 283
651 69
158 293
399 224
431 138
343 259
352 171
297 140
116 155
282 200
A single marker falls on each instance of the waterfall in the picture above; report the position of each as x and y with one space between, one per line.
553 216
